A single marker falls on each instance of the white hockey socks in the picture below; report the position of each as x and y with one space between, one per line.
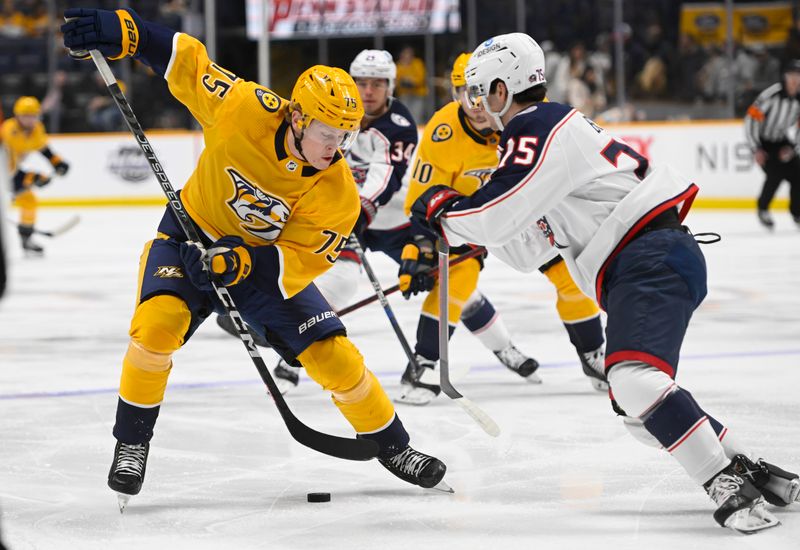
671 416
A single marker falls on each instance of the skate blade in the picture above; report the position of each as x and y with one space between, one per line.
284 386
533 378
415 396
752 520
443 487
122 501
598 385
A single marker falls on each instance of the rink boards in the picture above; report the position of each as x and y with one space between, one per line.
109 169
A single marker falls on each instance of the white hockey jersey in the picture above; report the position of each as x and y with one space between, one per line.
564 182
379 161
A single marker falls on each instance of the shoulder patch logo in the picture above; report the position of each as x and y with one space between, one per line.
262 215
400 120
168 272
291 166
269 100
443 132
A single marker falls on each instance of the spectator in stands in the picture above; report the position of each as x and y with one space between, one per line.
412 87
571 67
584 93
101 111
714 77
755 69
685 71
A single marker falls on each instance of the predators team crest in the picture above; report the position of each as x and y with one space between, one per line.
483 174
263 215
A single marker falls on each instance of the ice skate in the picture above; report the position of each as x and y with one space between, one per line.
286 376
413 391
594 366
797 221
226 323
518 362
779 487
740 506
417 468
765 219
127 471
31 247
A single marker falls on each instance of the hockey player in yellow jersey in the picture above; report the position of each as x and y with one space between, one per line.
21 135
459 149
275 204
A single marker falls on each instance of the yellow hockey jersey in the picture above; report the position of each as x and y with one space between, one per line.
248 183
451 153
19 143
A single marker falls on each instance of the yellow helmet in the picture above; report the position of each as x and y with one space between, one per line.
27 105
329 95
457 77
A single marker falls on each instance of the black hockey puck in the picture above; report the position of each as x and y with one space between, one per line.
319 497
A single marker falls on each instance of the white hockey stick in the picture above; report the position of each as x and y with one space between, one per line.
478 415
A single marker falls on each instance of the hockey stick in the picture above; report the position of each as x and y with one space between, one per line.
392 289
376 284
59 230
340 447
478 415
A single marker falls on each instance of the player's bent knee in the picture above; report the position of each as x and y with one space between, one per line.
638 387
638 431
160 323
335 364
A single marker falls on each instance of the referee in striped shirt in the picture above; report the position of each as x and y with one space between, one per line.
771 125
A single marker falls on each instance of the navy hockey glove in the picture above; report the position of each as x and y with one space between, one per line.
59 165
115 34
228 261
368 212
417 258
435 201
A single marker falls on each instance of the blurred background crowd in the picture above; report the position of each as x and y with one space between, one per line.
671 69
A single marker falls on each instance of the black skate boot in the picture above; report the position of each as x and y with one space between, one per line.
779 487
127 471
226 323
765 219
286 376
594 366
740 505
31 247
520 363
417 468
413 391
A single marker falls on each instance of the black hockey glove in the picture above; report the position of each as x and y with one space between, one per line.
435 201
417 258
59 165
115 34
228 261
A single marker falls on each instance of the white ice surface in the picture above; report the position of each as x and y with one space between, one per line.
224 473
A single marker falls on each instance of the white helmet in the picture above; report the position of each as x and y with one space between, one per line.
374 64
514 58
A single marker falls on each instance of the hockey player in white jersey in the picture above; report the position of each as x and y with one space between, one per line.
564 182
379 159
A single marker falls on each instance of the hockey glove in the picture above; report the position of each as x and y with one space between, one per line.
368 211
31 179
115 34
432 204
59 165
228 261
417 258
